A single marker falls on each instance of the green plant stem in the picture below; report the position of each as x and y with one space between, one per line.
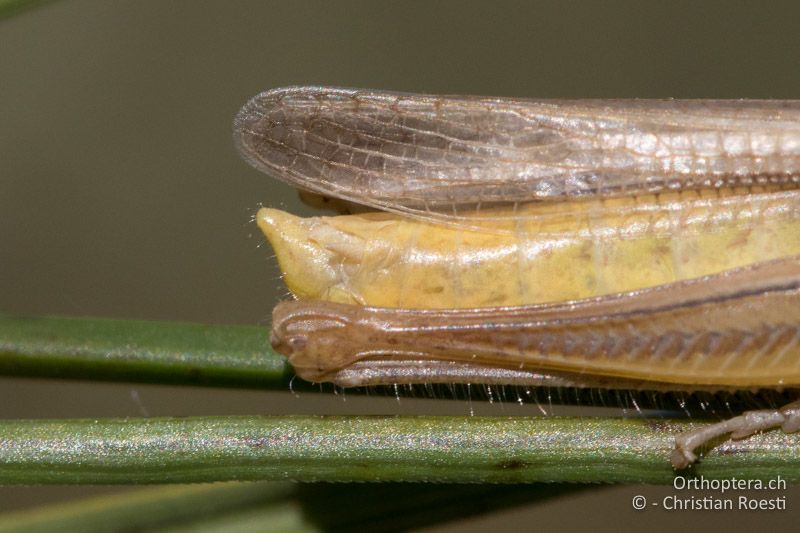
234 506
9 8
143 351
152 507
455 449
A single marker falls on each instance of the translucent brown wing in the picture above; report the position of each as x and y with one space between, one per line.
435 156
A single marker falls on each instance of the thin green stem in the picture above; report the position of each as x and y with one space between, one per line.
9 8
152 507
455 449
130 350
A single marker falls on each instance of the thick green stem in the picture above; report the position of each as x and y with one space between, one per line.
456 449
158 352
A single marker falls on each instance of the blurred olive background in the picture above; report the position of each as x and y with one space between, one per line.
121 194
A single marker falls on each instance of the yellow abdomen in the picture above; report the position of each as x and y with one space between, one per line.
536 253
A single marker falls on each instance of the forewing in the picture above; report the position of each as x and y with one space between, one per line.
435 156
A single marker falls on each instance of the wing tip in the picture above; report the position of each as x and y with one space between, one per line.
271 99
256 131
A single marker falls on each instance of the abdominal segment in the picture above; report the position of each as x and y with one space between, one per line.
534 254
